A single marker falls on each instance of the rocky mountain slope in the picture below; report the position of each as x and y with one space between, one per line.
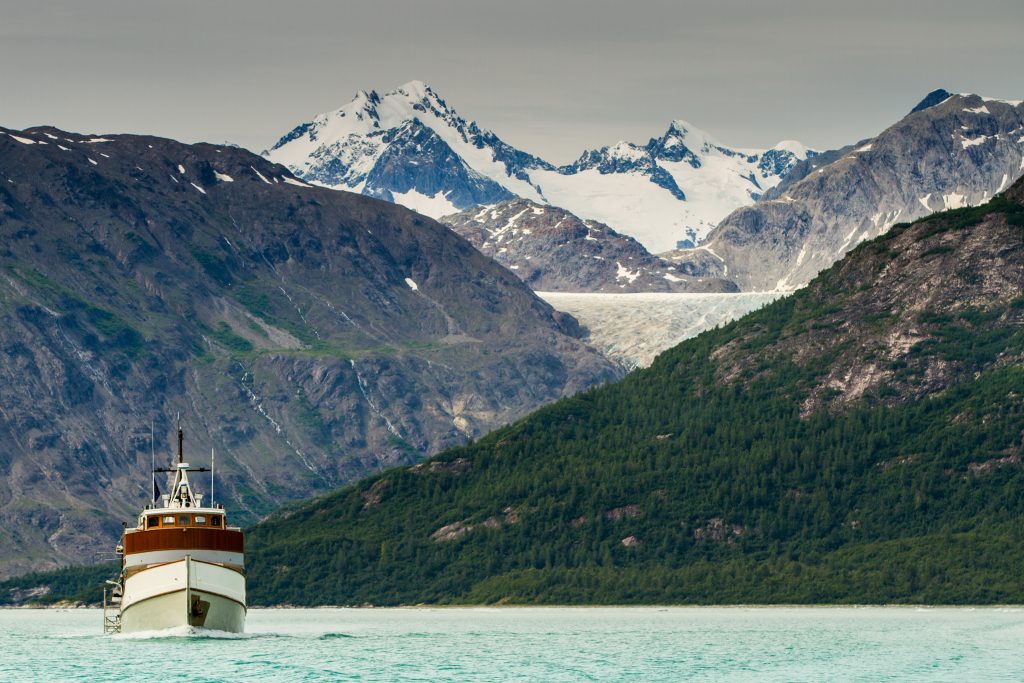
311 336
859 441
409 146
951 151
553 250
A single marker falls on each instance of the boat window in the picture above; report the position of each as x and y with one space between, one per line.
168 520
200 519
184 520
215 520
152 522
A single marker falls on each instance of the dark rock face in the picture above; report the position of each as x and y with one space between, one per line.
311 336
417 159
951 151
554 251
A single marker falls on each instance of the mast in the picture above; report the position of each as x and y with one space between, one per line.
152 462
213 473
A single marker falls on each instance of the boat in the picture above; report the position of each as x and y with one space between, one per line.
182 565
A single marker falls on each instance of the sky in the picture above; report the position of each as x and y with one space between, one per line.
552 77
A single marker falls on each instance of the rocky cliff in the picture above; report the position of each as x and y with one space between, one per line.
553 250
951 151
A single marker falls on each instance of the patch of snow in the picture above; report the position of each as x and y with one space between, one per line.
198 188
1002 184
105 156
847 240
538 211
924 201
52 137
93 141
865 148
174 179
93 162
954 200
434 206
971 142
181 169
261 176
625 274
223 177
1012 103
672 278
63 148
798 149
412 285
978 110
24 141
298 183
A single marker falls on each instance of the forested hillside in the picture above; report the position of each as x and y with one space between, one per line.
859 441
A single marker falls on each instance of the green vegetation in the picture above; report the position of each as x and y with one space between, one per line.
215 267
119 335
706 479
829 509
72 584
678 486
226 337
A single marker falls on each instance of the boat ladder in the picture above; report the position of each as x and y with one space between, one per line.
112 608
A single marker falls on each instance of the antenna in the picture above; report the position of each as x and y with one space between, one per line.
181 440
152 462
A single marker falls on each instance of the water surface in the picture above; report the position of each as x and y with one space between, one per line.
532 644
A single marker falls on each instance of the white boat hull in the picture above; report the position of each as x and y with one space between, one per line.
184 593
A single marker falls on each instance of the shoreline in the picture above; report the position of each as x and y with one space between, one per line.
755 606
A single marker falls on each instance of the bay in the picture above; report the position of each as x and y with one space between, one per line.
532 644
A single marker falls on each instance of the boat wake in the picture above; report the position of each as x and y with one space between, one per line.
188 632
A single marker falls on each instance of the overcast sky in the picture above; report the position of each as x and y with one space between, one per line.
552 77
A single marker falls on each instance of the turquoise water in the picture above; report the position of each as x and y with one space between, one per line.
555 644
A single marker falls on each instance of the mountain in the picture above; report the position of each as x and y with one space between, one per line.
311 336
553 250
409 146
859 441
950 151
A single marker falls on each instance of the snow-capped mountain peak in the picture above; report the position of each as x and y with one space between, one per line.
409 146
406 146
684 133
